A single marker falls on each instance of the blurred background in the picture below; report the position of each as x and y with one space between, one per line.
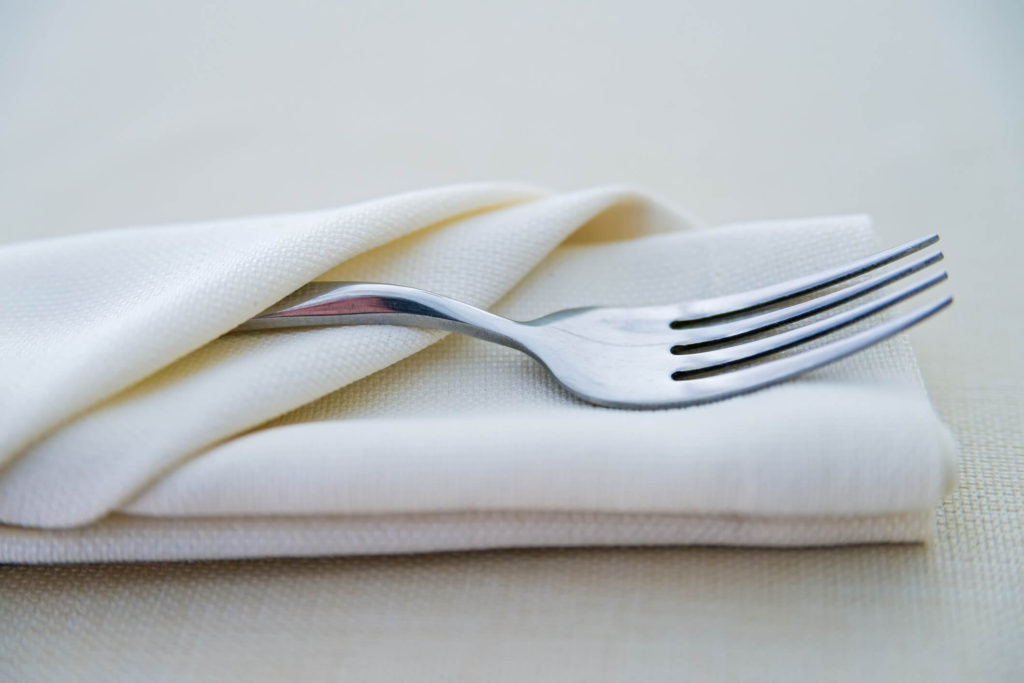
126 113
133 113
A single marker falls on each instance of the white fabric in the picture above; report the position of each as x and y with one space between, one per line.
121 394
127 538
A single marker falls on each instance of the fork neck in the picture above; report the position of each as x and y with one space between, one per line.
365 303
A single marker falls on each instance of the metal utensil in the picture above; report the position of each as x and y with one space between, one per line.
652 356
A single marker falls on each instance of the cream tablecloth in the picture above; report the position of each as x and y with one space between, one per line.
123 114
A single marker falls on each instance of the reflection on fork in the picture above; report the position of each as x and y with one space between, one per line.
655 356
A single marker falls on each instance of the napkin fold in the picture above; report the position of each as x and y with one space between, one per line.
133 429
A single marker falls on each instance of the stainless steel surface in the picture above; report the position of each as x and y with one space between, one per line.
651 356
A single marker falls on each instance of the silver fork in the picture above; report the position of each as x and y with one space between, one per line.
651 356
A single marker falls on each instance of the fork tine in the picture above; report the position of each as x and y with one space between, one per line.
736 303
717 358
743 380
714 332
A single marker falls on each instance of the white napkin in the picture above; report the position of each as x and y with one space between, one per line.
131 429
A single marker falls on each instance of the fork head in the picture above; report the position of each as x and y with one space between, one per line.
681 354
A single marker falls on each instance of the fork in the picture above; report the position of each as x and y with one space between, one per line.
658 356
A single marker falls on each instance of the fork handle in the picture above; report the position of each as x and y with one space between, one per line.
368 303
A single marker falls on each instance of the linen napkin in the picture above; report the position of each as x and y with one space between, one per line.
132 428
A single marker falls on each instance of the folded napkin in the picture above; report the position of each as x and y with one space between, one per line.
131 429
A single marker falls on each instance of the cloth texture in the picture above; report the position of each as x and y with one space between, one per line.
133 418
